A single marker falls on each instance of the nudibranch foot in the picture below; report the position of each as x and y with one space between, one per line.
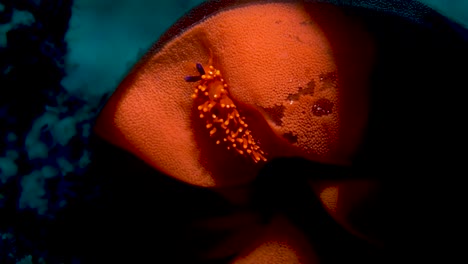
222 118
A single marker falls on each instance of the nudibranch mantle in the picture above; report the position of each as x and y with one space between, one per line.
221 115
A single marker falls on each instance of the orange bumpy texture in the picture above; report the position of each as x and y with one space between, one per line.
297 72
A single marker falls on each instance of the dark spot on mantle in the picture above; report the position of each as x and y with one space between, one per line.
328 80
322 107
290 137
309 90
275 113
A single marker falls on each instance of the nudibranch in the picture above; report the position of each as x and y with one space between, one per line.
286 79
221 115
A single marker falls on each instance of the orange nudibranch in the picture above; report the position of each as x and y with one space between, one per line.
294 83
221 115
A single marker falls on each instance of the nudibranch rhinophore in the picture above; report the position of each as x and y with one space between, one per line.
274 79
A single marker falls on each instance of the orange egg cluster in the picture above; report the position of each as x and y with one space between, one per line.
221 115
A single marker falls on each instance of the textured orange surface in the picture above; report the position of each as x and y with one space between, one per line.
329 197
343 201
280 242
269 54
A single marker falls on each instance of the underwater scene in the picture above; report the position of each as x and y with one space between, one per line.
233 131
